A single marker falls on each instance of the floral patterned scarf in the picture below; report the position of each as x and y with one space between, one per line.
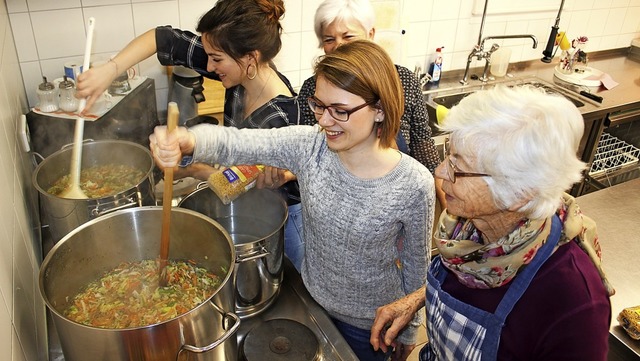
479 265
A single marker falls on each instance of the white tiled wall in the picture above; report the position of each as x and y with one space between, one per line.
49 33
38 36
22 316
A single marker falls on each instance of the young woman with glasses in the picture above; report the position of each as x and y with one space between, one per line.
367 208
338 22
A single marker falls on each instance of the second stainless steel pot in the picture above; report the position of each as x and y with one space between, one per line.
255 221
64 214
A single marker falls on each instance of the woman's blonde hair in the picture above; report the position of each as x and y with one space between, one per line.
363 68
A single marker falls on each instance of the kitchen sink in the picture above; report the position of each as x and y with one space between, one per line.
451 97
450 100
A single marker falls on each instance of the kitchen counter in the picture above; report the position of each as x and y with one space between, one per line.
618 114
616 211
618 63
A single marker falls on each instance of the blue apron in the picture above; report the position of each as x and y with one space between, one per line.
459 331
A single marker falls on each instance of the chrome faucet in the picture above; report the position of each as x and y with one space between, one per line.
495 47
479 52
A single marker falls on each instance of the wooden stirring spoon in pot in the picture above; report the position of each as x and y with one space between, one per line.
74 191
167 195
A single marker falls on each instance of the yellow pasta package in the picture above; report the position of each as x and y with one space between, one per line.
228 183
629 319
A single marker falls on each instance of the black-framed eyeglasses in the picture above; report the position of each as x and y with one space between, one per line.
341 115
453 172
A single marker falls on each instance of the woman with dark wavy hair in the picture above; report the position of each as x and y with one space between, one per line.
238 41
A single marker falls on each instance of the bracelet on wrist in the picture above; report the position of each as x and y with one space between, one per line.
116 65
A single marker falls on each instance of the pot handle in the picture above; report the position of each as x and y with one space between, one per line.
222 339
96 212
203 184
262 252
88 140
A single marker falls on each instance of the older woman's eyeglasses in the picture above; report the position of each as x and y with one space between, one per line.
453 172
341 115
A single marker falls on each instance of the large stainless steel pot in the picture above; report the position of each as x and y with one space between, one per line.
203 333
255 221
64 214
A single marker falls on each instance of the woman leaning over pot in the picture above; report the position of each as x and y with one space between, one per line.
518 276
367 208
239 40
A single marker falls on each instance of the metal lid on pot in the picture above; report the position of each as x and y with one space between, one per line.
185 72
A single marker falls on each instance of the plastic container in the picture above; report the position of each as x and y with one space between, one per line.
500 62
228 183
435 69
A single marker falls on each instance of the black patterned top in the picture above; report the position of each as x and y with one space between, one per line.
181 47
414 124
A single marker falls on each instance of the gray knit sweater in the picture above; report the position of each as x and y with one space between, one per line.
367 241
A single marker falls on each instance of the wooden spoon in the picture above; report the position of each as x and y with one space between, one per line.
74 191
167 196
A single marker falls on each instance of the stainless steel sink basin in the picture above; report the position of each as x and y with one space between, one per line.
449 97
450 100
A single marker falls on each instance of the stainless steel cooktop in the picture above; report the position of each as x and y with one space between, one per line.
294 303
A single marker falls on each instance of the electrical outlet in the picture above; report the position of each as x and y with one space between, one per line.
23 133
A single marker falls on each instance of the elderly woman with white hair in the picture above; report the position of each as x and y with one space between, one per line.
518 274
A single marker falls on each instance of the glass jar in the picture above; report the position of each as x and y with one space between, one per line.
47 96
68 101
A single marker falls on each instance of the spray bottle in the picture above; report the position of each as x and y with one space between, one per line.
435 69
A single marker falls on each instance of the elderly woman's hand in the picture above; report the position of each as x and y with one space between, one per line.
392 318
167 148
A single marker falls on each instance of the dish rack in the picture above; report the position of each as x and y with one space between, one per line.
615 161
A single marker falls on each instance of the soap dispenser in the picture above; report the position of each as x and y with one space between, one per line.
435 69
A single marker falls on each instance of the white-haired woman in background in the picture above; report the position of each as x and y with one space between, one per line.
518 276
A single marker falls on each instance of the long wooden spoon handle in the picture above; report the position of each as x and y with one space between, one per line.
167 196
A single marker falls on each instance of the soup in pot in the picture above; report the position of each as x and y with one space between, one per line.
101 181
130 295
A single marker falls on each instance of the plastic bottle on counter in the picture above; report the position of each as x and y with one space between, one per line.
47 96
500 62
435 69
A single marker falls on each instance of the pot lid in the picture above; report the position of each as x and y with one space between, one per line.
282 340
185 72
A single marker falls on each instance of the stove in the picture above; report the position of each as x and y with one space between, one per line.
293 328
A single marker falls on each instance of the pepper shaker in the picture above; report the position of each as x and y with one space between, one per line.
47 96
68 100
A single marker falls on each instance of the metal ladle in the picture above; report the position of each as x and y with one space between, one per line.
74 191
